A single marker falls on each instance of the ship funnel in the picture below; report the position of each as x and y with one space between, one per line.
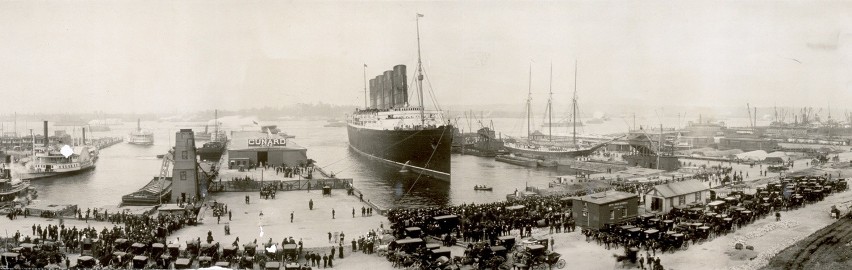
84 136
45 136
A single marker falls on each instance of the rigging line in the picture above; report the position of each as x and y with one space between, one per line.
431 92
424 166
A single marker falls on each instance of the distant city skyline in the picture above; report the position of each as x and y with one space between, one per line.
163 56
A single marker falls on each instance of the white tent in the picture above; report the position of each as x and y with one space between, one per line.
757 155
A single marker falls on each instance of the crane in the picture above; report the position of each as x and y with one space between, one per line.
164 170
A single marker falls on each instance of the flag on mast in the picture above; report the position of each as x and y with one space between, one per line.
419 15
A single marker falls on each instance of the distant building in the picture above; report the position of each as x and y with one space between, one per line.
596 210
747 144
662 198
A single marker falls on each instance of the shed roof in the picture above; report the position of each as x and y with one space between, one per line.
680 188
606 197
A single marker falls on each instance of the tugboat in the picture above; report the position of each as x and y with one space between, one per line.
211 151
10 189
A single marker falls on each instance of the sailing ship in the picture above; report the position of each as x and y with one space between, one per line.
391 131
539 146
141 137
49 161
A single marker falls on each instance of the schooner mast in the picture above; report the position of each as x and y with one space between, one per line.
574 105
529 104
550 107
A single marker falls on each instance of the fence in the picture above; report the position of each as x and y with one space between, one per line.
282 185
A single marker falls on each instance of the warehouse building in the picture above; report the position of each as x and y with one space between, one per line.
610 207
258 148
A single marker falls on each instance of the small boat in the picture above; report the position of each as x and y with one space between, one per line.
483 188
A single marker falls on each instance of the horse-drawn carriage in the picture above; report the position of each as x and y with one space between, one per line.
537 256
85 262
205 261
138 249
120 259
140 262
183 263
121 244
192 247
247 260
86 247
229 253
8 260
209 250
272 265
157 250
291 252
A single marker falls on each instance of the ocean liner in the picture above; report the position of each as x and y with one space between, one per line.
393 132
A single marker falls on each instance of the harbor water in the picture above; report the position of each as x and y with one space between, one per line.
124 168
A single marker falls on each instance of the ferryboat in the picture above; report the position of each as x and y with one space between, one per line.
141 137
48 160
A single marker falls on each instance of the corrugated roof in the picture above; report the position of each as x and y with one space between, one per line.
611 196
680 188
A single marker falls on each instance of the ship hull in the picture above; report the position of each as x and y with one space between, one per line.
423 151
40 175
550 154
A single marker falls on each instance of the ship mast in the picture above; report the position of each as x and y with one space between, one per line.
529 104
420 75
574 104
550 107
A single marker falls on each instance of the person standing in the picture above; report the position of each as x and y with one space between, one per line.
329 237
229 215
324 260
340 248
641 262
353 212
311 204
332 213
291 217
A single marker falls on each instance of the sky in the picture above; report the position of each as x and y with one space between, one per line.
161 56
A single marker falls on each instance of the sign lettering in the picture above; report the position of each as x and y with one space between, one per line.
267 142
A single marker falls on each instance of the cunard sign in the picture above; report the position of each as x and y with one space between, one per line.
267 142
